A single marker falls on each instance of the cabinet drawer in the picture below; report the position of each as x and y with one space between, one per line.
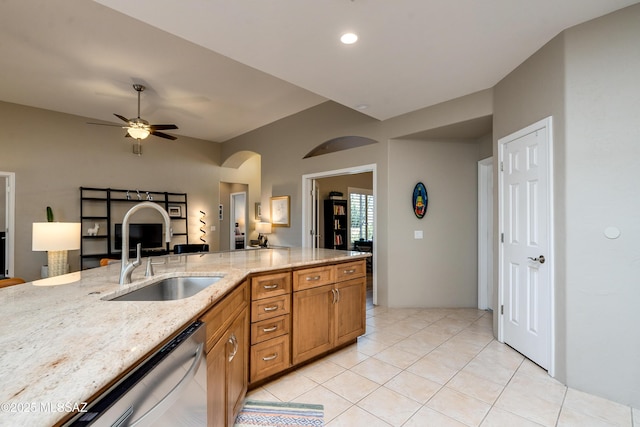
312 277
270 307
350 270
270 285
269 357
270 328
218 318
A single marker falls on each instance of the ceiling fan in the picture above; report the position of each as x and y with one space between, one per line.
139 128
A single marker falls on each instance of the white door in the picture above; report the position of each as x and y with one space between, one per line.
525 225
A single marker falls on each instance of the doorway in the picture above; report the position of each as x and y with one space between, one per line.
238 221
525 219
7 223
311 208
485 234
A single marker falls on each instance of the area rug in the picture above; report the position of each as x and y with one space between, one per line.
279 414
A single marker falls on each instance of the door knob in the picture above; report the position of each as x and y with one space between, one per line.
540 259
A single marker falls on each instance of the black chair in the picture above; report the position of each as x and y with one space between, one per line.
190 248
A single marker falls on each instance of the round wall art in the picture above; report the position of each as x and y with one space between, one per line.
420 200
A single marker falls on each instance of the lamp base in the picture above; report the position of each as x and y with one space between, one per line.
57 262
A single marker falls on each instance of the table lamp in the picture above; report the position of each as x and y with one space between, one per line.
56 238
263 228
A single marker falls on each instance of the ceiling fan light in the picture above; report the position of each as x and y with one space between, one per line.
138 132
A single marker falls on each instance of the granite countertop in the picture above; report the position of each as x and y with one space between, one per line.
61 342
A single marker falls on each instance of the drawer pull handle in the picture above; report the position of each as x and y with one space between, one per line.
270 286
313 279
275 307
271 329
270 358
353 270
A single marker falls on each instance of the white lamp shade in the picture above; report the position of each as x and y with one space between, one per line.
138 132
56 236
263 227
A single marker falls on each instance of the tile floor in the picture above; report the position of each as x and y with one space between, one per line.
438 367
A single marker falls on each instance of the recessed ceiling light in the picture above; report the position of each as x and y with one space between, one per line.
349 38
362 107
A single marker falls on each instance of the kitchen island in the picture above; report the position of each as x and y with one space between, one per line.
63 341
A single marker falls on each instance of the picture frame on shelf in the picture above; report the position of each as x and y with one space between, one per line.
174 211
280 211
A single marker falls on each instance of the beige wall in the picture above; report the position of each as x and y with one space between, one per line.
439 270
602 190
54 154
283 145
586 79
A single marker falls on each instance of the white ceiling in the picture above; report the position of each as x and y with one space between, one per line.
220 68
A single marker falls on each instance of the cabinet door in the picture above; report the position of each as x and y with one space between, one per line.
216 384
238 363
350 310
313 322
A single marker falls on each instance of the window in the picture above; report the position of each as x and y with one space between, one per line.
360 214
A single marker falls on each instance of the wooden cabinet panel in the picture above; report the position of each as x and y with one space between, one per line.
218 318
312 277
270 328
350 270
350 310
270 285
238 365
227 349
313 322
216 384
270 307
269 357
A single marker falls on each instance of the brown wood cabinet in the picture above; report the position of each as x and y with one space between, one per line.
327 315
227 326
270 324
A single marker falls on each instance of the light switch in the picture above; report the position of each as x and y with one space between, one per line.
417 234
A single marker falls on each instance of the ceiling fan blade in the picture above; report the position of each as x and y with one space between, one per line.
107 124
164 135
124 119
162 127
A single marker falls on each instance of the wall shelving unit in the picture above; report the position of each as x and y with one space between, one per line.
107 206
335 224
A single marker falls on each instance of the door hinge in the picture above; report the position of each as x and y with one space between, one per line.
501 237
502 309
501 166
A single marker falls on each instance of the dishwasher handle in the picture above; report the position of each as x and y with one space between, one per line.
175 392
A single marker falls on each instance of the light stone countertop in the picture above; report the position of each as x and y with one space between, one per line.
60 344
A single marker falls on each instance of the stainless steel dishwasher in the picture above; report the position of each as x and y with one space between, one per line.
168 389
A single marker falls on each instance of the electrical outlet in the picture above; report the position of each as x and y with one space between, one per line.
213 228
417 234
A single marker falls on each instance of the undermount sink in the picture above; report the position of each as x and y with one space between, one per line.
172 288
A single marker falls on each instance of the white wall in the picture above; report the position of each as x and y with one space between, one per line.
603 190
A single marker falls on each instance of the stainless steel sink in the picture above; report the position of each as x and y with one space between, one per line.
173 288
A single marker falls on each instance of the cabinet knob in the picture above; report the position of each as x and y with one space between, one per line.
274 286
271 329
274 308
312 278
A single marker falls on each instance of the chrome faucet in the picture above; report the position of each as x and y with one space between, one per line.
127 266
